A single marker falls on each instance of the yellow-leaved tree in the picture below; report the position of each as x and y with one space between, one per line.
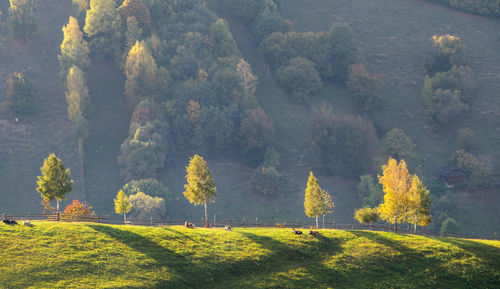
396 182
122 205
142 73
200 187
74 49
420 204
316 200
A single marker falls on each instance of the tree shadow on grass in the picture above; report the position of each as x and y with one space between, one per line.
432 268
183 269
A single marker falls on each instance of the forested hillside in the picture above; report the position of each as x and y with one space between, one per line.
125 92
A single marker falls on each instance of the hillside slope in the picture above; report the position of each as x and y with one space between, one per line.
101 256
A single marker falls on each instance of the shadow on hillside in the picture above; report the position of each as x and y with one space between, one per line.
283 257
432 267
182 267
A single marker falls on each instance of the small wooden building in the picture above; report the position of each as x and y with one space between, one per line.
452 175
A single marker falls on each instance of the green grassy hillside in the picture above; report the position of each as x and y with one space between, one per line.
101 256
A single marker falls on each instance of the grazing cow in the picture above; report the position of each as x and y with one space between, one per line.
296 232
26 223
189 225
9 222
314 233
228 228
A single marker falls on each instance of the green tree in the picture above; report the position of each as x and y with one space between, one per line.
367 216
142 74
224 42
398 145
300 78
200 187
122 205
369 192
100 17
256 131
20 96
314 199
138 10
55 182
145 206
22 21
74 49
420 204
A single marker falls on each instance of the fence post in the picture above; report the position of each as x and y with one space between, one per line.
244 223
214 220
494 235
256 222
3 216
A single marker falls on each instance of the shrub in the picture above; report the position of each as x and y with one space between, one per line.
77 209
450 226
151 187
145 207
267 181
367 215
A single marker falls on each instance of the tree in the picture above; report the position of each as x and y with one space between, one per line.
479 172
364 86
467 139
151 187
369 192
22 21
74 49
55 182
300 78
224 42
367 216
248 80
20 96
145 206
142 74
316 200
122 205
256 131
100 17
138 10
327 205
396 182
77 94
420 204
398 145
200 187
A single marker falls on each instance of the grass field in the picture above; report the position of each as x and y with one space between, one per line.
82 255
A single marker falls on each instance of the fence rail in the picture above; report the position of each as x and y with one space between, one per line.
236 223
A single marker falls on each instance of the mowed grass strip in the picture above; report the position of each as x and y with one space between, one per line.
80 255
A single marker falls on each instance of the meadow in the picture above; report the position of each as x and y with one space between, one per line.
88 255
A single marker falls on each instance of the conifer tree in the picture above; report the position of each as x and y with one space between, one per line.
122 205
74 49
20 96
55 182
142 73
315 199
200 187
396 182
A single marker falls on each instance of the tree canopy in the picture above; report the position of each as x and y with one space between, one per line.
55 182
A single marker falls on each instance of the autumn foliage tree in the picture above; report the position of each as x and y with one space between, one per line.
142 74
364 86
406 199
74 49
316 200
77 209
138 10
122 205
200 187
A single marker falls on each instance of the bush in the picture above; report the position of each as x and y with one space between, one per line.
77 209
145 207
367 216
450 226
267 181
151 187
364 86
300 79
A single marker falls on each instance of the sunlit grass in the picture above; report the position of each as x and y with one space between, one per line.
53 255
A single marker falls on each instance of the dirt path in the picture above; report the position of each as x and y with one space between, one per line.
108 128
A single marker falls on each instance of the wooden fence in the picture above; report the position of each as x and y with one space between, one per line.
237 223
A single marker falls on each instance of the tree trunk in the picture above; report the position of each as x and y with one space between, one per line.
317 226
323 221
206 216
396 227
415 228
124 217
57 201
